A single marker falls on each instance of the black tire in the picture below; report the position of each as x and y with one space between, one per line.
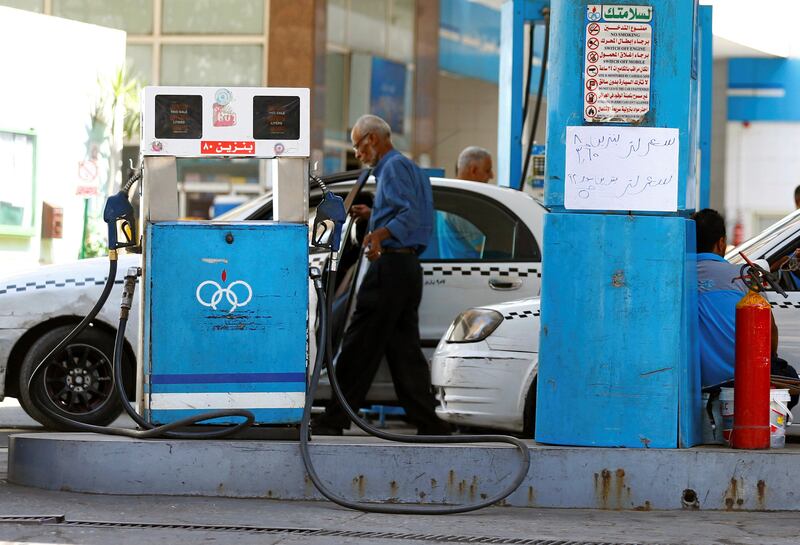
61 387
529 412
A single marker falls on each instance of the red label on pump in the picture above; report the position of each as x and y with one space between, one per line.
225 147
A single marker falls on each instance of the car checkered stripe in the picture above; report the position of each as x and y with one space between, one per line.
786 304
521 315
31 286
479 270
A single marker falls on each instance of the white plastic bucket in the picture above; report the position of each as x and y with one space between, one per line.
779 415
726 410
712 435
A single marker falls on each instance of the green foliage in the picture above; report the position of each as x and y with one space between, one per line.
95 244
120 91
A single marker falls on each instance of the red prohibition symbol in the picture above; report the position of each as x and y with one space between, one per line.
594 28
593 56
593 43
591 98
591 84
591 70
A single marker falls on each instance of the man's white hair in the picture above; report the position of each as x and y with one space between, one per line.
372 124
471 154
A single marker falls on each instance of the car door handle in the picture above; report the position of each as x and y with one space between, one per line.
504 285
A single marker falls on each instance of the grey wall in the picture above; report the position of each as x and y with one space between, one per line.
467 116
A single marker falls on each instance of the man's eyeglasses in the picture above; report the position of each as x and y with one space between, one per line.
358 144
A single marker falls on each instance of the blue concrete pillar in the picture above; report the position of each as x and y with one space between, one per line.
706 107
618 364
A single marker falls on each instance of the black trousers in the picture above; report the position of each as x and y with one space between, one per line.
386 322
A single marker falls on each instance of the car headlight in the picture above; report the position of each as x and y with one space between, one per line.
474 325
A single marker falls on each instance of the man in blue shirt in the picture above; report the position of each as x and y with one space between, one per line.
386 321
457 237
720 288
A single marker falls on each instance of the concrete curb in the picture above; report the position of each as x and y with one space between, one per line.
377 471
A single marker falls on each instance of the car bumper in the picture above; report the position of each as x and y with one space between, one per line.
478 386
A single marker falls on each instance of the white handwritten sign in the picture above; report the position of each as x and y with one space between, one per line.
621 168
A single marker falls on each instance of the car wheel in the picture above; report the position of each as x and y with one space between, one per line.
529 412
77 383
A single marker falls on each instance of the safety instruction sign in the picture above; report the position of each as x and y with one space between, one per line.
617 63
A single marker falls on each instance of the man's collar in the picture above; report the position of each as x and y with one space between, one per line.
383 160
708 256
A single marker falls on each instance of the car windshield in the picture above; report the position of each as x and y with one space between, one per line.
760 244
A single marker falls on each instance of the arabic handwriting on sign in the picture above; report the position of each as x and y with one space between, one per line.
636 147
588 150
621 168
634 187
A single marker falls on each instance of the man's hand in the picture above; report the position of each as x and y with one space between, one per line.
373 240
782 261
361 212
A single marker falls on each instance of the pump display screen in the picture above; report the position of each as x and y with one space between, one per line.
179 116
276 117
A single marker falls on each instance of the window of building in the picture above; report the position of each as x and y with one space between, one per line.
370 69
213 17
234 65
336 22
335 105
29 5
401 31
139 62
333 161
132 16
367 25
17 182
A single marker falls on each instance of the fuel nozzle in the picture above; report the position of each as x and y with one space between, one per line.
328 222
121 220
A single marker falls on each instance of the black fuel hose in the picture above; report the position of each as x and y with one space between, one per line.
149 431
325 355
537 109
165 430
112 275
109 285
531 36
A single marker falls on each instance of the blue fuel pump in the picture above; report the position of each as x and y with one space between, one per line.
224 305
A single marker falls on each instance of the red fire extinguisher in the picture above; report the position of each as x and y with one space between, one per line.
751 374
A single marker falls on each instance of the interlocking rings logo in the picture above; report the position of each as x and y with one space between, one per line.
231 294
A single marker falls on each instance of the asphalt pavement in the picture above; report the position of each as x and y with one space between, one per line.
29 515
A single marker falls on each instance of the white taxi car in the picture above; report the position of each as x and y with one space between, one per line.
484 368
501 261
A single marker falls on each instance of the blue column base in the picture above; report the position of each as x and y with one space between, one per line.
618 363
